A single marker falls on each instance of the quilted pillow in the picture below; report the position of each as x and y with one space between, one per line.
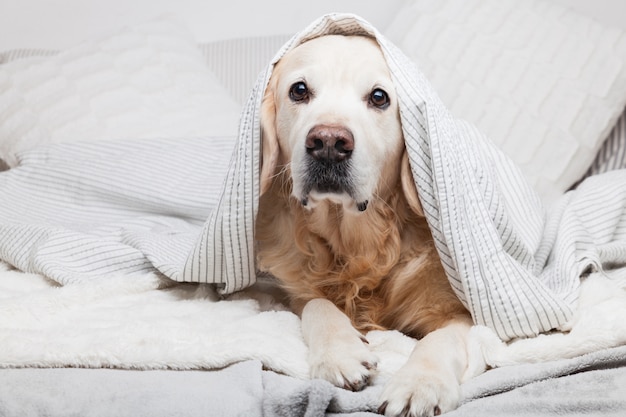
147 81
545 83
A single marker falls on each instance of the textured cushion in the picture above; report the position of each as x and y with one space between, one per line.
546 84
147 81
237 63
612 154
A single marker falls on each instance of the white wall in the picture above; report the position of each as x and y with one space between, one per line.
60 23
610 12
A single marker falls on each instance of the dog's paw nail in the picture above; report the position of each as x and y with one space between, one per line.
437 410
369 365
382 408
357 384
364 340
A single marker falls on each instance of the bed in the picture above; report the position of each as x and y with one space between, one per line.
115 150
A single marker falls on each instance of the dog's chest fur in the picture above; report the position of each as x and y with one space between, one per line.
380 267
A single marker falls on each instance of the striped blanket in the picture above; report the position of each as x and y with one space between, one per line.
186 208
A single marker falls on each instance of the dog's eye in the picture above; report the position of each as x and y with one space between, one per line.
379 99
299 92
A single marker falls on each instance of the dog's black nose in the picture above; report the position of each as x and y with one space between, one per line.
330 143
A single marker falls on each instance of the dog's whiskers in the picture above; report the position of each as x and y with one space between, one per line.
378 199
284 177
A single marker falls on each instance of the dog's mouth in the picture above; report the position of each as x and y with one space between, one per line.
332 181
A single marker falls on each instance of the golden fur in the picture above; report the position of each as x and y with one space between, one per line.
379 267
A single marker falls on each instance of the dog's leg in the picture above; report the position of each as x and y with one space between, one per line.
430 382
337 351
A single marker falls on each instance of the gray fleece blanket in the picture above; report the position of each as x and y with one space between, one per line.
590 385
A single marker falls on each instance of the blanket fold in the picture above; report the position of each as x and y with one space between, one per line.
186 208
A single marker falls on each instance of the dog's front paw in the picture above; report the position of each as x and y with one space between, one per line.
345 361
415 393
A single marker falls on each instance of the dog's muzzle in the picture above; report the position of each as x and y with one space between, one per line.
329 167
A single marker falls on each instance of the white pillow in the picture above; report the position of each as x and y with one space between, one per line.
545 83
147 81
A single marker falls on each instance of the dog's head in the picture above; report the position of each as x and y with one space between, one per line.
330 116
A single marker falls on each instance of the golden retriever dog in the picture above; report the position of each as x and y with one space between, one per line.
341 227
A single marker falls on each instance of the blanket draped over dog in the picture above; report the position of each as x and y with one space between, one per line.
78 212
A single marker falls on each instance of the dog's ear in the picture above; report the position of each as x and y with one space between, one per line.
408 186
269 139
